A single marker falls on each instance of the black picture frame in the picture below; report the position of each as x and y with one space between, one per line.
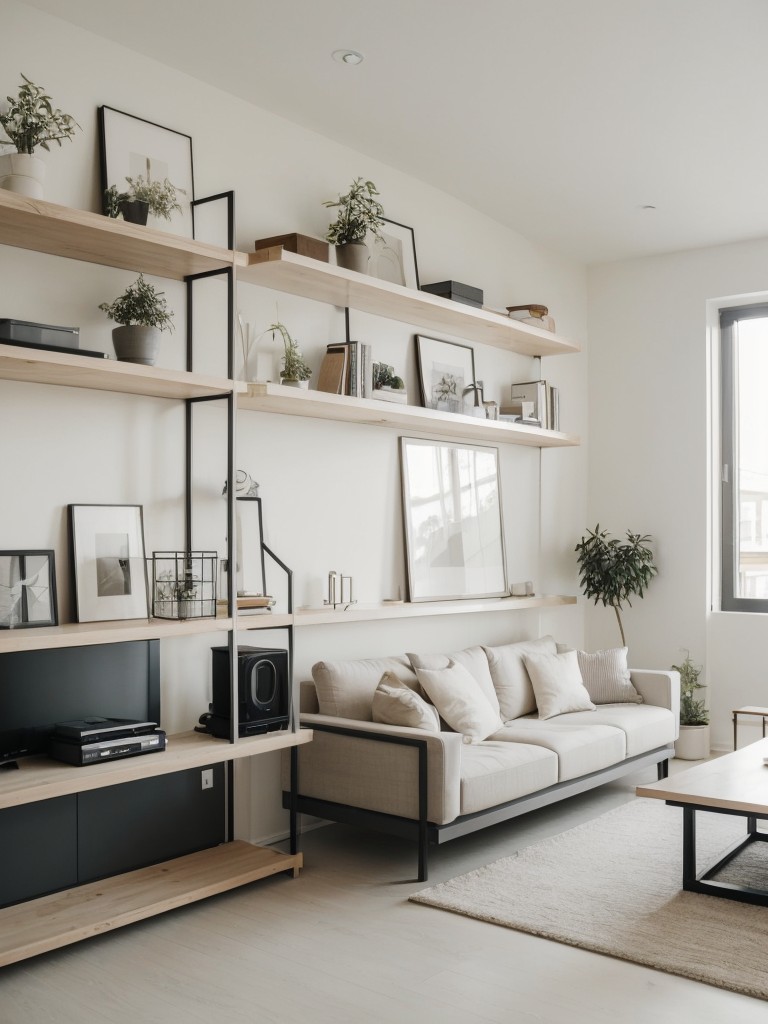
130 146
445 369
28 589
393 257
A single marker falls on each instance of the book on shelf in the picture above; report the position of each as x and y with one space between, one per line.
347 369
332 377
546 403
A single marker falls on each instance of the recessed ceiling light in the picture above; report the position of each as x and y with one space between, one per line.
348 56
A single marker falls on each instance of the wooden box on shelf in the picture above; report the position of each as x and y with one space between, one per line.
304 245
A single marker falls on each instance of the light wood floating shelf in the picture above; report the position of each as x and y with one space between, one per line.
42 778
289 272
408 610
84 634
274 398
81 235
51 922
37 366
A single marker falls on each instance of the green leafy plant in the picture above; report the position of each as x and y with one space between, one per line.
31 119
692 711
140 305
359 213
612 572
385 377
160 196
294 367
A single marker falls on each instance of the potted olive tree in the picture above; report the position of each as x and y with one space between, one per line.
359 213
160 198
612 572
693 741
142 314
31 120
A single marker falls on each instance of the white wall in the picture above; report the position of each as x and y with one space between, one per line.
650 461
331 492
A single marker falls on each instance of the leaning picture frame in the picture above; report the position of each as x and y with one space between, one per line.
27 589
392 255
445 368
109 569
131 146
452 518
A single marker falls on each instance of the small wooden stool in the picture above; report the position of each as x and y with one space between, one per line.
760 712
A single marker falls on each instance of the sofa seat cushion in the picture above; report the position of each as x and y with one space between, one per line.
581 743
493 773
345 689
645 726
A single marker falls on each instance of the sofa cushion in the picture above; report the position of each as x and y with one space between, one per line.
606 676
345 689
580 745
510 676
472 658
557 683
394 703
644 726
493 773
461 702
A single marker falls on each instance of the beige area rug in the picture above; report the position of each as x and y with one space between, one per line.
612 886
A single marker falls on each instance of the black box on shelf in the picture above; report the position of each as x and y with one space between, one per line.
23 332
457 291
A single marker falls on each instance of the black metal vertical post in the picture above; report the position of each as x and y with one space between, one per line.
689 847
293 813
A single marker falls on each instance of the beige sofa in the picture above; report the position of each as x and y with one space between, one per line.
443 779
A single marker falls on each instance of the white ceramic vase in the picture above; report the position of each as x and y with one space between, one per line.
693 743
23 174
134 344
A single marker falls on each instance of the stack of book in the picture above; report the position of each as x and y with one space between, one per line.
347 369
534 402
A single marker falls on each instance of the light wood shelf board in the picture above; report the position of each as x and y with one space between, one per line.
81 235
51 922
42 778
271 620
37 366
84 634
416 609
274 398
300 275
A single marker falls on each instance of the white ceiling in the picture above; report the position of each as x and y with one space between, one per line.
559 118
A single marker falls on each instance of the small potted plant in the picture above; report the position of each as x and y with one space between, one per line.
612 572
160 198
295 372
359 213
31 120
142 314
693 742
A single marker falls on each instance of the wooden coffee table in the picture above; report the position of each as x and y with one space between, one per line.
735 783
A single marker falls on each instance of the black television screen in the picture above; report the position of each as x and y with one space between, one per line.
40 688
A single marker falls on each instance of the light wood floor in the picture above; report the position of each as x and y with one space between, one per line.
341 944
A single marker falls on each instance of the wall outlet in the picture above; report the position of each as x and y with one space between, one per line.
206 778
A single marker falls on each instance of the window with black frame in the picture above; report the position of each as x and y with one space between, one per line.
744 470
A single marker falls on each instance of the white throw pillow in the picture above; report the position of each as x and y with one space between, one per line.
462 704
345 689
473 659
606 676
510 677
394 703
557 683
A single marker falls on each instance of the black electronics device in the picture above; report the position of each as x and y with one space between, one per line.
91 730
89 752
45 336
38 689
264 691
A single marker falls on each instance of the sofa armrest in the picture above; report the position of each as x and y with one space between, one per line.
365 770
659 688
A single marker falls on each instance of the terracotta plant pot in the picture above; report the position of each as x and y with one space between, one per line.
135 344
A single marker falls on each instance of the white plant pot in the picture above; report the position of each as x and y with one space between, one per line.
134 344
693 743
23 174
295 383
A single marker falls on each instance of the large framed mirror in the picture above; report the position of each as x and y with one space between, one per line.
454 537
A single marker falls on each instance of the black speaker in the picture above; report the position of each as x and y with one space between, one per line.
264 691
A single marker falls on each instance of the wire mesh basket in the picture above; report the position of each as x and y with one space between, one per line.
184 584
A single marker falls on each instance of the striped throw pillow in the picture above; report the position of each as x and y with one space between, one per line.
606 677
